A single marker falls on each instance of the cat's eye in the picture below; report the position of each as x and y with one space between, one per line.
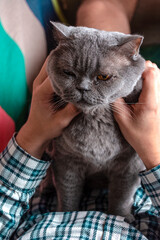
104 77
69 73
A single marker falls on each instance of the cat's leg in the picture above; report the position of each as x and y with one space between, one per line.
69 182
121 193
124 181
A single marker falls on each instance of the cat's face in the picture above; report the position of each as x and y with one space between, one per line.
91 68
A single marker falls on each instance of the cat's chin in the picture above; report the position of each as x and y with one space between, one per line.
87 109
82 103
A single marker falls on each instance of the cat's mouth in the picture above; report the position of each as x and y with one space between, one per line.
59 102
83 102
79 100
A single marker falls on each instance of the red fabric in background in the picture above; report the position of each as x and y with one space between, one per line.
7 128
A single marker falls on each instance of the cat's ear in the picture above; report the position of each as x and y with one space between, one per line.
131 46
60 31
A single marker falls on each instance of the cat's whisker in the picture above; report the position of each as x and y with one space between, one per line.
130 103
122 111
55 105
130 109
118 109
58 106
58 102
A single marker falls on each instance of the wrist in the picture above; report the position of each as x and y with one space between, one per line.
150 158
150 162
31 141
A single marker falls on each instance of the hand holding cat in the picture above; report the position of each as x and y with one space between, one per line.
43 123
140 122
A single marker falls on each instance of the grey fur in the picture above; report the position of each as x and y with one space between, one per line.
92 142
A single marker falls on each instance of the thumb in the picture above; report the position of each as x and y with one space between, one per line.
68 113
41 76
121 111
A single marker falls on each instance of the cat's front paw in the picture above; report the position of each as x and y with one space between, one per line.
122 211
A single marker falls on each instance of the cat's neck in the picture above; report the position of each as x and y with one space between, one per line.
95 112
98 111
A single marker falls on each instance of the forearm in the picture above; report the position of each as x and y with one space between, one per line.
20 174
104 15
31 142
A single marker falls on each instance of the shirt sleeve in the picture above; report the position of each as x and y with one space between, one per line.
20 174
151 184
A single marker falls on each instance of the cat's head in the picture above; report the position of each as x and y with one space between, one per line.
90 67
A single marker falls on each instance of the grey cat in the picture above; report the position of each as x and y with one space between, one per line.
91 69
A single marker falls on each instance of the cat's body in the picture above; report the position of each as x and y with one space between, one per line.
92 143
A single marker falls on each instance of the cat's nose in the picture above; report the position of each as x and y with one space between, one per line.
83 86
82 90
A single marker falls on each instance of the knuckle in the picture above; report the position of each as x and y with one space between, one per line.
153 107
154 65
152 72
148 62
34 84
64 123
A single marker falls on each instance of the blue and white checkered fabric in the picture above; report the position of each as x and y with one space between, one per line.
26 214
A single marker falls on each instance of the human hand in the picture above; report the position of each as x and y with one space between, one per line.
43 123
140 122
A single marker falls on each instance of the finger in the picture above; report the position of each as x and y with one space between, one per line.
150 64
67 114
149 87
42 75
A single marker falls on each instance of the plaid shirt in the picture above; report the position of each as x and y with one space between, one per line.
26 214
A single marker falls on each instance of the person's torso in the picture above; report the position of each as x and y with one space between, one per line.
146 20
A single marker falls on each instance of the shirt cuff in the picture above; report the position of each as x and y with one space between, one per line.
19 169
151 182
